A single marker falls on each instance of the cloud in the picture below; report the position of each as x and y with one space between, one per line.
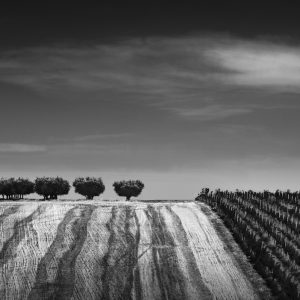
93 137
185 76
211 112
21 148
96 137
157 67
166 67
257 64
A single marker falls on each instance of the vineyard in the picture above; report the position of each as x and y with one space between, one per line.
120 250
267 227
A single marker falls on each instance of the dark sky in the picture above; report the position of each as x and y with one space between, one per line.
42 22
172 94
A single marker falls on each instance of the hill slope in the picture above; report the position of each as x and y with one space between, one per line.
98 250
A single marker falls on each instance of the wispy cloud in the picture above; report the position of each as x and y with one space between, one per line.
21 148
186 76
257 64
211 112
97 137
92 138
155 66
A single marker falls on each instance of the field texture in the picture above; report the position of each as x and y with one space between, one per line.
267 227
98 250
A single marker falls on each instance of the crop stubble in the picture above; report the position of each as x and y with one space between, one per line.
132 250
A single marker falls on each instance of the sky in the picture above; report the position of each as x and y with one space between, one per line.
178 96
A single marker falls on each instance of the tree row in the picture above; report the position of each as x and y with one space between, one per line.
52 187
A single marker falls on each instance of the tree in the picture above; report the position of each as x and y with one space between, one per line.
23 186
7 187
2 188
129 188
51 187
89 186
12 188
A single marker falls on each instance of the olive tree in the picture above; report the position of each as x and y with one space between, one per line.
23 186
7 186
51 187
12 188
128 188
2 187
89 186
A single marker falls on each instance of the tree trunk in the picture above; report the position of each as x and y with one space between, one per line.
128 198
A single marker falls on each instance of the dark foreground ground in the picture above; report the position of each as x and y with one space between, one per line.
118 250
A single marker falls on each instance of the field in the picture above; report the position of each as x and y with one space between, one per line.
112 250
267 227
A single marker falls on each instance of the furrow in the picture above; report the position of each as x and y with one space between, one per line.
6 212
120 263
11 254
218 270
148 277
88 269
195 288
9 221
39 234
170 278
55 275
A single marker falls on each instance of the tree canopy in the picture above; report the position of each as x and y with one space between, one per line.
128 188
12 188
51 187
89 186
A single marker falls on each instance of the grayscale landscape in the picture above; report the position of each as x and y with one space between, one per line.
149 150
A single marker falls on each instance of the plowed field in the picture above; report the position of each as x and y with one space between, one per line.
111 250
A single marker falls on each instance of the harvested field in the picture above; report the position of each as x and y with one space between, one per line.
110 250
